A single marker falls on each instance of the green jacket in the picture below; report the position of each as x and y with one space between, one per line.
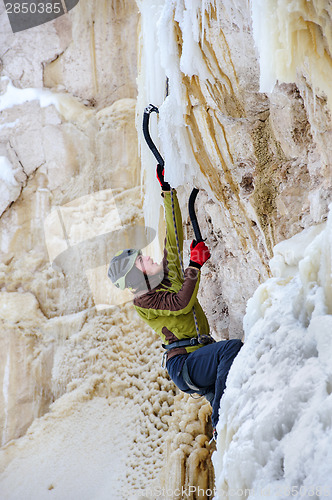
168 308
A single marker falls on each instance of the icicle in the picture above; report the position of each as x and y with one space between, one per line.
203 20
5 391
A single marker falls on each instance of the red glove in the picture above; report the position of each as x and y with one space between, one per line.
160 176
199 254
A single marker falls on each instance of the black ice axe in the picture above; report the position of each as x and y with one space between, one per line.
191 205
192 215
146 117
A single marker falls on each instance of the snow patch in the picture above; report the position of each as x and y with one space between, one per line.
9 187
7 171
83 443
14 96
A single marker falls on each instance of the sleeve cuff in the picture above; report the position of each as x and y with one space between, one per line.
194 264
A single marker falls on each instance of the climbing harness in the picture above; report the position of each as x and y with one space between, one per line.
201 339
178 343
181 343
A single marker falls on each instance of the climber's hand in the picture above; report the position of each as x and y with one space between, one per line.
199 254
160 176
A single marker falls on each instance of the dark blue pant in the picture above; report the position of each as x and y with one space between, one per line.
208 368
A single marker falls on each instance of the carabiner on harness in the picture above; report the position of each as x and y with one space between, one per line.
163 361
179 343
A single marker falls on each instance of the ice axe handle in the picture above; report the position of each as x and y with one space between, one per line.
192 215
146 117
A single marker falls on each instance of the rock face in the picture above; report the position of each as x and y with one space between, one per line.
71 184
68 153
260 157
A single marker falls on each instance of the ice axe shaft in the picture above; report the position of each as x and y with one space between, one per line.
192 215
146 117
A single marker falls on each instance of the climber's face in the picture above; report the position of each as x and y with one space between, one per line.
145 264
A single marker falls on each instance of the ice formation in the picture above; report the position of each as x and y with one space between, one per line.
275 427
111 395
294 41
82 392
5 389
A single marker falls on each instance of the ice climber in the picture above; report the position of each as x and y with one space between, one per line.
167 301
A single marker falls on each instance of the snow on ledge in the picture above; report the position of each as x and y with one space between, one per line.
14 96
9 187
68 106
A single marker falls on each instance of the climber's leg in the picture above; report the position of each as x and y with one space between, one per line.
208 368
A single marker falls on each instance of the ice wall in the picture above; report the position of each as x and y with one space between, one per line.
71 181
294 43
105 433
247 120
65 159
275 424
82 390
262 161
